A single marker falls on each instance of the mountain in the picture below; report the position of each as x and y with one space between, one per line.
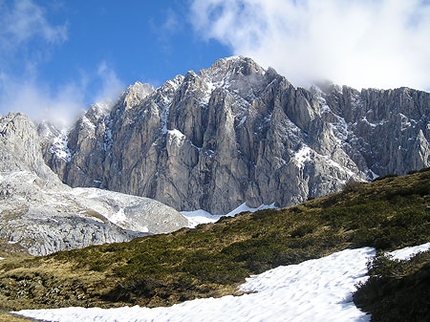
237 133
41 215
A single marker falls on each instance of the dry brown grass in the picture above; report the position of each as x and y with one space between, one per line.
6 317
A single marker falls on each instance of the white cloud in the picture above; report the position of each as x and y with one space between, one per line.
40 102
110 87
171 24
60 105
362 43
26 37
24 20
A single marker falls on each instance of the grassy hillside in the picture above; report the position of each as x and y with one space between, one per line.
213 259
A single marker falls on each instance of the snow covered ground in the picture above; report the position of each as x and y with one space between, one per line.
408 252
203 217
315 290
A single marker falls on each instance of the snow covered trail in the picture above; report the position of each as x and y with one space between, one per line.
315 290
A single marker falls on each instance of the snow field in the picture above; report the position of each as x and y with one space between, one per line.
315 290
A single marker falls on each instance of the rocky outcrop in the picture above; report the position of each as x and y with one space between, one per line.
20 149
40 215
390 129
236 133
41 220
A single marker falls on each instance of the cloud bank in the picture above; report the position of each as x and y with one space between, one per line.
361 43
62 104
22 20
39 101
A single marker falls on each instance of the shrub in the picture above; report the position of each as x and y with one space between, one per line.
396 290
387 176
351 185
303 230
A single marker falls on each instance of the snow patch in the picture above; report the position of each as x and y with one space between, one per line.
340 129
303 155
59 147
198 217
408 252
118 217
166 93
176 134
364 119
164 116
175 137
201 216
244 208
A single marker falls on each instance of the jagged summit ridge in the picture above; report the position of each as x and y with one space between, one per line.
135 93
236 132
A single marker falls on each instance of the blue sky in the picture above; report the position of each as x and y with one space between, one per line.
151 41
77 52
59 56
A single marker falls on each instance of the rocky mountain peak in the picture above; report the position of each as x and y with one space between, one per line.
20 147
236 74
135 94
236 132
234 67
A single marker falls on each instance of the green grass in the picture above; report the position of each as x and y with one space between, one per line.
213 259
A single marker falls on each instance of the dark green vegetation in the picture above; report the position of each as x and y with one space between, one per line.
212 260
397 290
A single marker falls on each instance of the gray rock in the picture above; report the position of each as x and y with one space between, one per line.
43 221
236 133
41 215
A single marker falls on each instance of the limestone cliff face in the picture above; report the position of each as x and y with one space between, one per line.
40 215
20 148
236 133
389 128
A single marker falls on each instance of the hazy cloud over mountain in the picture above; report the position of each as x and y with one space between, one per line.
362 43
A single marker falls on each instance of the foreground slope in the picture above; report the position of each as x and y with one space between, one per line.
213 259
237 133
314 290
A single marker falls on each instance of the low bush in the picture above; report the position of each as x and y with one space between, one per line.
396 290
